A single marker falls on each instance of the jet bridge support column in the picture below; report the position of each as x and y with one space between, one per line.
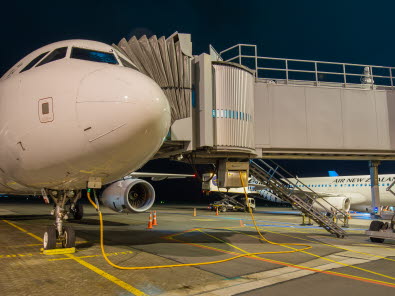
374 183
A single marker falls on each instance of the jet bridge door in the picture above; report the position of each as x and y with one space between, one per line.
233 108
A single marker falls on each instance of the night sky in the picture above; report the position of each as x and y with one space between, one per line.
353 31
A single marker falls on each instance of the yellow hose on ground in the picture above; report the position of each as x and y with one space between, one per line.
306 247
261 237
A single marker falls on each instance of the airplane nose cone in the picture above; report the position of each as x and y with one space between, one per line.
123 114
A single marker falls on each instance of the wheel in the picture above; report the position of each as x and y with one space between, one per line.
78 211
375 225
385 226
223 209
68 237
49 240
377 240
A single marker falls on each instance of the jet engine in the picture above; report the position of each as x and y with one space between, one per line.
340 202
128 196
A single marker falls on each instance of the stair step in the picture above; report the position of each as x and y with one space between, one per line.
280 182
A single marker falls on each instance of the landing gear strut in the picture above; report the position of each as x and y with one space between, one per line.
59 232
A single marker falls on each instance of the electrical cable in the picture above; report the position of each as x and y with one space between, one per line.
96 206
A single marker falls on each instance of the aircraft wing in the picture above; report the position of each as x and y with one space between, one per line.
159 176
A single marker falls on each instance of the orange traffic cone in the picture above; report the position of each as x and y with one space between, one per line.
216 213
194 212
241 223
154 223
150 222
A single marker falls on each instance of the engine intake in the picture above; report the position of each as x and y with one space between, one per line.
128 196
340 202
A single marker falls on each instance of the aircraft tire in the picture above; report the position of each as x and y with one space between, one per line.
78 212
223 209
49 240
69 237
375 225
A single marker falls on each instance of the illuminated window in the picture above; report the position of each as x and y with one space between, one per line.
93 56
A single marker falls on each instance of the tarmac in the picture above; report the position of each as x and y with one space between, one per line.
332 266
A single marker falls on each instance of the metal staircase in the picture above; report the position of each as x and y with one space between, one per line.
292 190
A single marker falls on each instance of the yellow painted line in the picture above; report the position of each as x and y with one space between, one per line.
293 265
17 255
328 245
104 274
86 172
376 246
23 230
337 262
108 276
92 256
35 245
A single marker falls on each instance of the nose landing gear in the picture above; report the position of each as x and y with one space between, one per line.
58 232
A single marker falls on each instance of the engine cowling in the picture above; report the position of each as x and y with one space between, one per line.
340 202
128 196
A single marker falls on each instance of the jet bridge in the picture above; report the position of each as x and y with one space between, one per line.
236 104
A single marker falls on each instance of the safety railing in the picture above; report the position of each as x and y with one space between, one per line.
318 73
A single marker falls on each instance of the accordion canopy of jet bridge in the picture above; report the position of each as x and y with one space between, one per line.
168 62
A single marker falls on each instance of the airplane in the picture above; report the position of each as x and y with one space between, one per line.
76 112
344 192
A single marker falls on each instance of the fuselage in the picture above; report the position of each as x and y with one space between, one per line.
81 110
356 188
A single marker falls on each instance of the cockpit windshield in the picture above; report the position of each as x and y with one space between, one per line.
93 55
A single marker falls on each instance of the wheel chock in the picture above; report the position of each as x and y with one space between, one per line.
60 251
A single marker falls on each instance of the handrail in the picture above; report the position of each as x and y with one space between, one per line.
367 75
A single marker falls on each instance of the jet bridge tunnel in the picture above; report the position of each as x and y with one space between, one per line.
257 107
237 105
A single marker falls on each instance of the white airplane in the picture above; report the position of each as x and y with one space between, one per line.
73 110
350 192
344 192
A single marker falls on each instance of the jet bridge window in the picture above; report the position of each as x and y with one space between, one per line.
57 54
93 56
33 62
